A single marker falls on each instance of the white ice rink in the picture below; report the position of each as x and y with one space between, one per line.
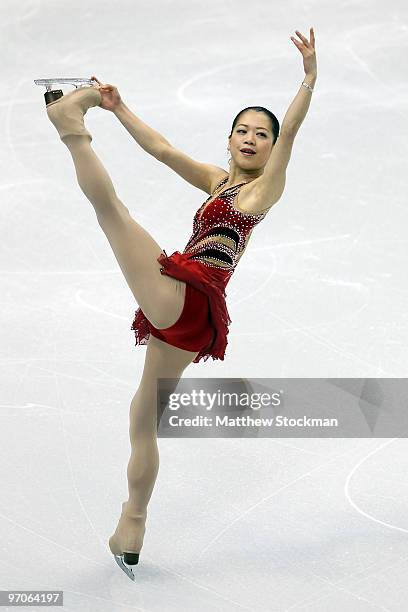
257 525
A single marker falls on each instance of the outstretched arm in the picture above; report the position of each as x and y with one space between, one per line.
150 140
300 105
201 175
268 188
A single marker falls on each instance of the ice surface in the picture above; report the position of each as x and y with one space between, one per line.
322 291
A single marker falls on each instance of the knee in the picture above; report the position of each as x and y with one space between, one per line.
158 388
149 384
112 214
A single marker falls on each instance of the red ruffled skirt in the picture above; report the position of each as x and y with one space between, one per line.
214 318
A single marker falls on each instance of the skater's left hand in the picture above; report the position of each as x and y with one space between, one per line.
308 51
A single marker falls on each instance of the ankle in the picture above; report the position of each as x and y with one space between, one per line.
73 141
133 511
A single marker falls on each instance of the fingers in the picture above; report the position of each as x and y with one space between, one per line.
296 42
307 47
302 38
106 87
312 37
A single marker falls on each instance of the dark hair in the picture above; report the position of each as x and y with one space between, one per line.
260 109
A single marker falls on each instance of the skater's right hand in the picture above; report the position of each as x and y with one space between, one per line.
110 96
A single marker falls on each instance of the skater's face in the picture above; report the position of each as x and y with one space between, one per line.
252 131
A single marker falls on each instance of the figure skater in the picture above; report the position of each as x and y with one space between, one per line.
182 314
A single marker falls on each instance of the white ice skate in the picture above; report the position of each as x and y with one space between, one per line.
54 94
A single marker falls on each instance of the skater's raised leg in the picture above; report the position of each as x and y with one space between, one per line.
160 297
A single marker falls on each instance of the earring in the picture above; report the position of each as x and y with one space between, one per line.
229 160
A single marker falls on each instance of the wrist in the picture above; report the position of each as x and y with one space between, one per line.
119 109
309 81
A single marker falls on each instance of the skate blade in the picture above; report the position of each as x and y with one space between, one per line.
64 81
124 567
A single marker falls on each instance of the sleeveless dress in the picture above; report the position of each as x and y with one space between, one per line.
206 265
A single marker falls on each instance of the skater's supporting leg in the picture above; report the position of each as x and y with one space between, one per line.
162 361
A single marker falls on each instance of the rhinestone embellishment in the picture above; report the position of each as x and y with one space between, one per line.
221 229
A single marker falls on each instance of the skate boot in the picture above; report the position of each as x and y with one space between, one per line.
67 111
127 541
127 562
54 94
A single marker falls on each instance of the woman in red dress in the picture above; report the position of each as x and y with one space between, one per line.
182 315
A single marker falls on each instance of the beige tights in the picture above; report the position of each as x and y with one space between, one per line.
162 361
161 298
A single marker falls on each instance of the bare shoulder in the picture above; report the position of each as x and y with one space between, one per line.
217 175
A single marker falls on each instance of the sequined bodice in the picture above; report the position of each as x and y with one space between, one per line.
220 231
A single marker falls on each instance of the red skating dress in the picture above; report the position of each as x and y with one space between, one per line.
220 232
